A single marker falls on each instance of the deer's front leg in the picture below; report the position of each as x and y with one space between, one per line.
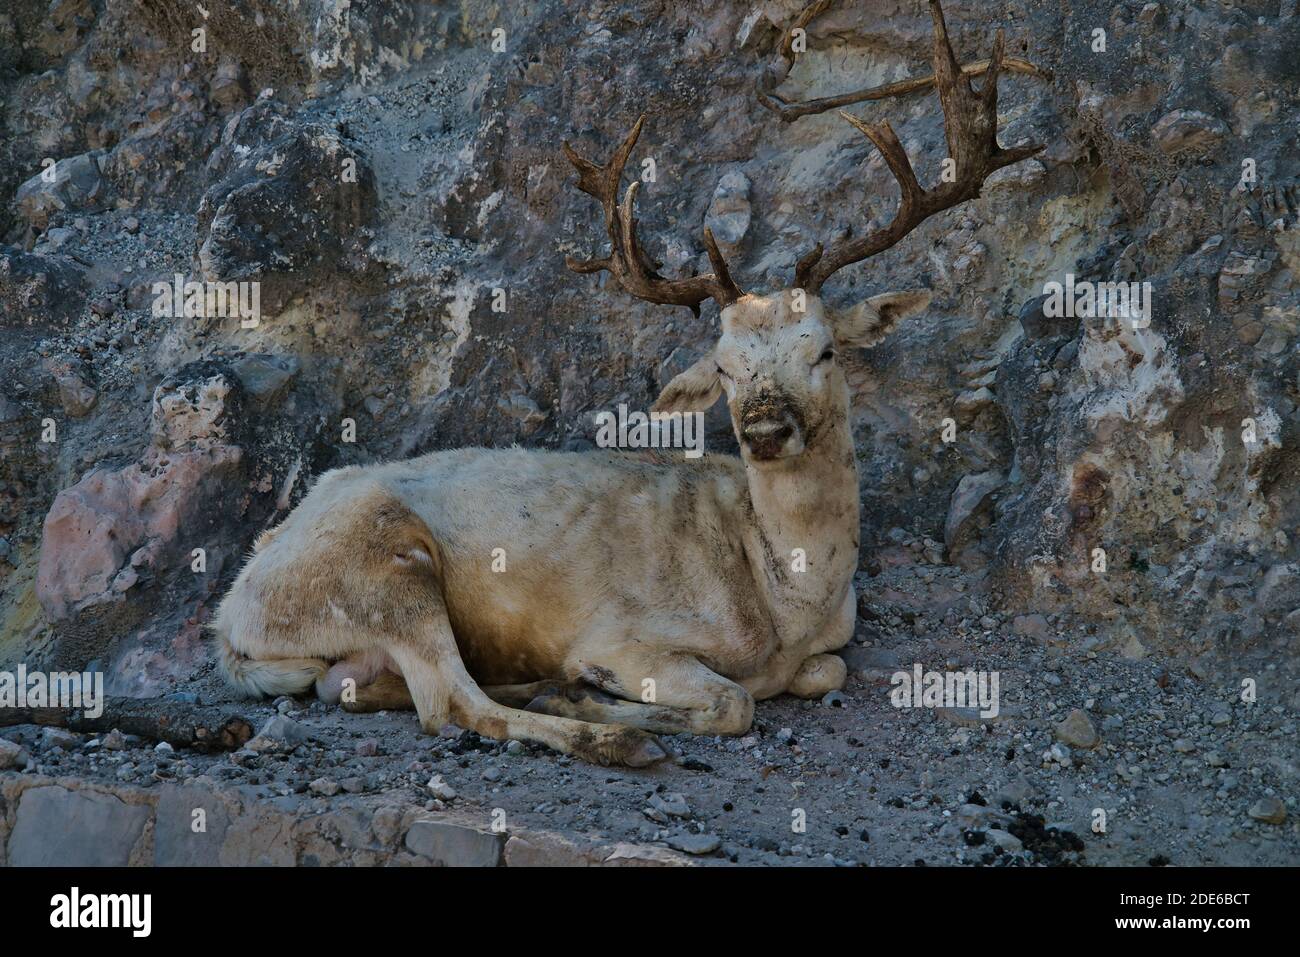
820 672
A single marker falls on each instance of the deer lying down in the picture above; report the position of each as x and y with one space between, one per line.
640 593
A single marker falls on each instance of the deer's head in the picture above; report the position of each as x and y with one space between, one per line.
776 356
777 363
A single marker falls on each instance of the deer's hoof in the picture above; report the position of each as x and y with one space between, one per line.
818 675
629 747
645 752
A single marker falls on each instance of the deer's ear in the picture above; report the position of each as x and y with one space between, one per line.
869 321
694 390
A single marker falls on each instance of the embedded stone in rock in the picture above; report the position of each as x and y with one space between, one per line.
673 804
188 414
58 237
138 511
125 580
228 87
1008 842
1188 131
977 815
1018 791
455 845
644 855
85 541
325 787
264 377
523 409
969 404
729 212
1132 648
1077 730
969 498
1279 592
544 849
59 738
441 789
75 183
755 28
77 397
56 826
1015 178
1241 278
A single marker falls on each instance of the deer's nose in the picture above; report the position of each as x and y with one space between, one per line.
767 437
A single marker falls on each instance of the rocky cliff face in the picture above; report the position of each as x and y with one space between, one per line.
386 179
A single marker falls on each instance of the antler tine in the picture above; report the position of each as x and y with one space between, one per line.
627 261
805 17
971 130
601 183
790 111
766 86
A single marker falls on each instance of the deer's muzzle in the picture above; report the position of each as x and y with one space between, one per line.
769 429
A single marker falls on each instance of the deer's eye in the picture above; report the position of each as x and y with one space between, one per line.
826 356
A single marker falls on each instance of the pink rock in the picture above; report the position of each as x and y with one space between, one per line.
111 515
83 543
114 521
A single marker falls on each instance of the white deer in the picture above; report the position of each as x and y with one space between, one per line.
590 601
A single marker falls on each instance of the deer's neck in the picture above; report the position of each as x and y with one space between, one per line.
804 538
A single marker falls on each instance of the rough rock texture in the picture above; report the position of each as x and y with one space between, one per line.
380 170
45 822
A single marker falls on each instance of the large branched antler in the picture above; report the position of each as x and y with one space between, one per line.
971 127
789 112
627 262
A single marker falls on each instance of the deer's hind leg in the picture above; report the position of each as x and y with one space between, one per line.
652 689
512 696
443 690
518 696
388 692
391 599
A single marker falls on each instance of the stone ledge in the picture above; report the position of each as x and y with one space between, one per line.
49 822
